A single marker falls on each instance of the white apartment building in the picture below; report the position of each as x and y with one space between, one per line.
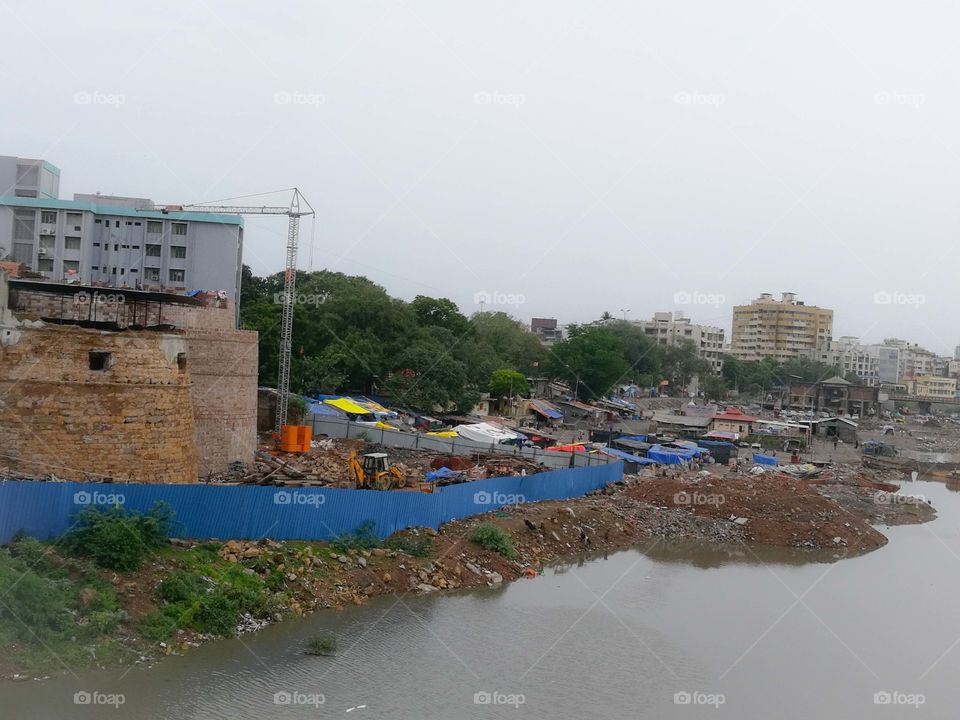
671 328
110 241
849 356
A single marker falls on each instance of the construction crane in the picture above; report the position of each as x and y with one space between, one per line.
299 207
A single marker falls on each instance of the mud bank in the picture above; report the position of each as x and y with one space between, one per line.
264 582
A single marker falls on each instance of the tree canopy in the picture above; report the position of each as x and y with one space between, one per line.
350 336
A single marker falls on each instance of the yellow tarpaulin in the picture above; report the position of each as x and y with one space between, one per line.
383 426
443 433
348 406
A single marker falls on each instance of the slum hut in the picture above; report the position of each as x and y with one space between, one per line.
686 425
829 428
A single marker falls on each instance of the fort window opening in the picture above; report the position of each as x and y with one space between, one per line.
99 361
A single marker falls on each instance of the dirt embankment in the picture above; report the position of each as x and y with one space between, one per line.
716 507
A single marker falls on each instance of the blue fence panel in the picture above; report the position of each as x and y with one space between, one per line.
45 510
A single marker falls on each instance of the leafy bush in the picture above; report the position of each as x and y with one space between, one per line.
492 538
321 645
179 586
116 539
217 614
416 545
363 538
159 625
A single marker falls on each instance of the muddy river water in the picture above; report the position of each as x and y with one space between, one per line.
663 631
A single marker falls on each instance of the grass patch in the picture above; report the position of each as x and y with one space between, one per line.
494 539
363 538
416 545
55 611
321 645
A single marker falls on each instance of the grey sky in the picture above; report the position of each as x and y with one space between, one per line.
584 156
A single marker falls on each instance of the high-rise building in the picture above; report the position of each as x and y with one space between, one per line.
778 329
109 241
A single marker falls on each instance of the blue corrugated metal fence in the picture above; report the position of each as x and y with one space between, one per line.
45 509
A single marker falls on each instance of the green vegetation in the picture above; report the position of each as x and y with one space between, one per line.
493 538
321 645
415 545
508 383
355 338
116 539
364 538
54 612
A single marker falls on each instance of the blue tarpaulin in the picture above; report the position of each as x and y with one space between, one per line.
442 474
628 457
320 408
760 459
670 456
637 438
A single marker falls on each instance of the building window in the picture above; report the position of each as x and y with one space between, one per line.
71 265
176 276
137 224
154 226
153 251
96 244
45 265
182 362
46 244
99 361
178 251
71 243
178 228
152 273
48 217
98 221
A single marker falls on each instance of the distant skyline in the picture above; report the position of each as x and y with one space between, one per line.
585 158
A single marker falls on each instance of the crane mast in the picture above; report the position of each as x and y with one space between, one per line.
294 212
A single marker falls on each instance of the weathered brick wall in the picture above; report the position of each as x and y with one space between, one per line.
223 367
131 422
103 305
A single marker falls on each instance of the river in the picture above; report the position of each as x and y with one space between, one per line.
737 632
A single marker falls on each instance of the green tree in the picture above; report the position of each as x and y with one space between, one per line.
508 383
591 361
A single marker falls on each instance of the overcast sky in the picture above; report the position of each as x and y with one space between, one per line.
566 158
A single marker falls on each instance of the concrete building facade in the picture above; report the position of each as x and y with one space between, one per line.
673 328
28 178
778 329
109 241
849 356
